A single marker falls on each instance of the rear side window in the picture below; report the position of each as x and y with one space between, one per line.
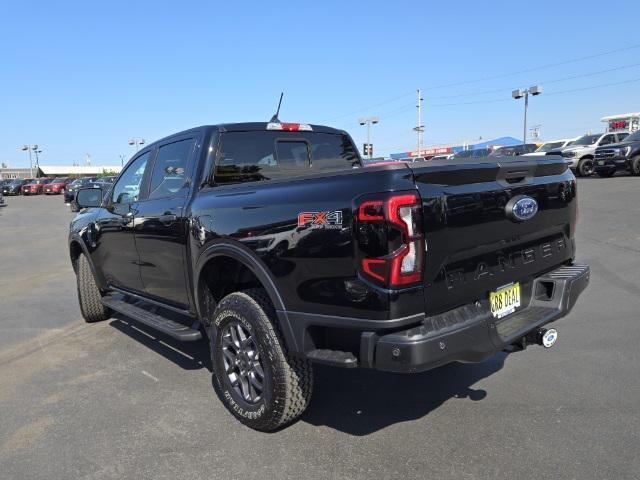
270 155
170 169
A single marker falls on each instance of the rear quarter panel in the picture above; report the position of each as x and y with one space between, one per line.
312 265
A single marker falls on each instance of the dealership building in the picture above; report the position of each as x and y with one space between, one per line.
59 171
429 152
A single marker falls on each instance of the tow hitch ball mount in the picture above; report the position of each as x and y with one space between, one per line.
542 336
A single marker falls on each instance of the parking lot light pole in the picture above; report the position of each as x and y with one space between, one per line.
368 122
26 148
137 142
517 94
34 149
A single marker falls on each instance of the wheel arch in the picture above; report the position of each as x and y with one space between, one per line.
77 247
247 268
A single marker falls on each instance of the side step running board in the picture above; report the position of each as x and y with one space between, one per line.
165 325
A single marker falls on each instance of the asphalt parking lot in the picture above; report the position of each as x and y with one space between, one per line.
113 400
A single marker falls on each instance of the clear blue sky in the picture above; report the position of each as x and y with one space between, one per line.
84 77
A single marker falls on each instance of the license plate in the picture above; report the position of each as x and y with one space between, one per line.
505 300
600 162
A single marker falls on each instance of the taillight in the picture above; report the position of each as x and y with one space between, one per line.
390 239
574 223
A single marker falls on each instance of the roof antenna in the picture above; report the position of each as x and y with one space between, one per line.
275 118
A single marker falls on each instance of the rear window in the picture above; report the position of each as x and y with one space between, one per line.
271 155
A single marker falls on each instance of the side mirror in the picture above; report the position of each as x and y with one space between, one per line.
88 197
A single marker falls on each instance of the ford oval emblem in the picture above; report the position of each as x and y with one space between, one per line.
521 208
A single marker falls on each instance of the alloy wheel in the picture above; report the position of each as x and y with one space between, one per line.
242 362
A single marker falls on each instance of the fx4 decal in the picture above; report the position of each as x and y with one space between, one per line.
331 220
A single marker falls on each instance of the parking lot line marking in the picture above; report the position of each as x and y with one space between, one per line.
176 350
144 372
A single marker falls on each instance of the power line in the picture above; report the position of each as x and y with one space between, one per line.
390 113
364 109
546 82
602 85
572 90
533 69
493 77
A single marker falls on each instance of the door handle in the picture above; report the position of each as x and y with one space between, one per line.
168 218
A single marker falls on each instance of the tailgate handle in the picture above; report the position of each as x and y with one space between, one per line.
515 176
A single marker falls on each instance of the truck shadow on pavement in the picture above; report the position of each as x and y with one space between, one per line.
357 402
360 402
187 355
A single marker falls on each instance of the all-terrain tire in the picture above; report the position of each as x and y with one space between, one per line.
89 294
585 167
634 166
287 380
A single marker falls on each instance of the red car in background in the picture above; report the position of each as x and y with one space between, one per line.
56 186
35 187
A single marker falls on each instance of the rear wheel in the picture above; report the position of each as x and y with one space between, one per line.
585 167
635 166
256 379
89 295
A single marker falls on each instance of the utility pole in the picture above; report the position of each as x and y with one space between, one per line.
419 128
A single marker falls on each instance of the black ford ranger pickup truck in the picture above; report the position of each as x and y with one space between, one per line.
274 242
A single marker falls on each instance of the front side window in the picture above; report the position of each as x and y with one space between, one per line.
127 188
587 140
170 169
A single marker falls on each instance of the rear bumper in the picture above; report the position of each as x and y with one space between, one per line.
417 343
471 334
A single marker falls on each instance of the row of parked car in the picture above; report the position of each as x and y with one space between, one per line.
602 153
65 186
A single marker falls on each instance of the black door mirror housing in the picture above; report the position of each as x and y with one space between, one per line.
88 197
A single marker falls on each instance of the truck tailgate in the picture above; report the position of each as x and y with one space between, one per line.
474 244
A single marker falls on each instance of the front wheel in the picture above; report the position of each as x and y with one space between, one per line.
585 167
635 166
89 295
256 379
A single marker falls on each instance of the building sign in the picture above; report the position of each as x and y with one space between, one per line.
627 121
426 152
617 124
